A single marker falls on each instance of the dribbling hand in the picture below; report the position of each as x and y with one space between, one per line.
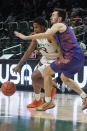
16 69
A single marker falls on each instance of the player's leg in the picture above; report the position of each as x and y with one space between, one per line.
54 88
47 74
69 82
37 83
50 70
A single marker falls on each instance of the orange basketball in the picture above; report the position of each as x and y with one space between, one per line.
8 88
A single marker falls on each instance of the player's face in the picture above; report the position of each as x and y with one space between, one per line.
38 28
54 17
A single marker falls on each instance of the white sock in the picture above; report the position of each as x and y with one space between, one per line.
47 99
37 97
83 95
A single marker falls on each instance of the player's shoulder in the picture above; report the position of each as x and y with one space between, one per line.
58 25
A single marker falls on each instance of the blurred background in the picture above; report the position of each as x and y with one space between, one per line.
19 14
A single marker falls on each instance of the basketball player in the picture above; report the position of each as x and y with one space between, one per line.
68 64
48 56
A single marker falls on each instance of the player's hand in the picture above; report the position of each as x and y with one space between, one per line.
65 61
43 53
16 69
19 35
61 58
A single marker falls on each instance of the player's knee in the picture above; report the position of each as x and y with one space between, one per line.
35 75
64 78
46 71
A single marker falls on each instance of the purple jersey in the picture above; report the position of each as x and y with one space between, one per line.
68 43
72 52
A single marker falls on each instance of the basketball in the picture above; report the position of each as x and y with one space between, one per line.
8 88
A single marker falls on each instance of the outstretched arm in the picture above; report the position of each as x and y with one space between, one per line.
25 56
59 27
31 37
49 34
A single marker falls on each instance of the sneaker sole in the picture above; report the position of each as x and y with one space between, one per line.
32 107
84 108
45 109
36 106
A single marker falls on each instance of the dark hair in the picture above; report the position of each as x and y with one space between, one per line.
41 21
61 13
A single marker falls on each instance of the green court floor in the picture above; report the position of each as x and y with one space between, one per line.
65 116
10 123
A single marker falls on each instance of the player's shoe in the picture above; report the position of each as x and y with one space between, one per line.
84 103
35 103
45 106
53 92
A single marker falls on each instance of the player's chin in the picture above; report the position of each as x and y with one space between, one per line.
51 22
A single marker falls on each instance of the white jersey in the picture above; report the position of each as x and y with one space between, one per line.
44 43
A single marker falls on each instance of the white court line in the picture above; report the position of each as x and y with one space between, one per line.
5 116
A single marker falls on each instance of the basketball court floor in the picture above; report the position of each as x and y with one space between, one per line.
65 116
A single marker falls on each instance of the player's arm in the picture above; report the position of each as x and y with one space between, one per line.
59 27
28 52
26 55
41 35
